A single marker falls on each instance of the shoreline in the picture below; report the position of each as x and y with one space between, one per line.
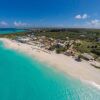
80 70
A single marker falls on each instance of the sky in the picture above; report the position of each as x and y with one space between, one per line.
50 13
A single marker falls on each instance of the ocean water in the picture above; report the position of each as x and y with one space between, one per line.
10 30
22 78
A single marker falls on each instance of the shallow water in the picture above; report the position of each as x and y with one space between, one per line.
23 78
10 30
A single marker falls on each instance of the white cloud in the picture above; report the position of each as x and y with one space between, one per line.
78 17
20 24
3 23
90 24
95 22
84 16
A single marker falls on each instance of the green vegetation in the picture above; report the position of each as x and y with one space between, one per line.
87 34
89 39
88 47
57 48
13 35
60 50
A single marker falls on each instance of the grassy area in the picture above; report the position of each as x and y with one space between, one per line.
13 35
89 38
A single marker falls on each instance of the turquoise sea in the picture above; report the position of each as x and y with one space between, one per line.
10 30
22 78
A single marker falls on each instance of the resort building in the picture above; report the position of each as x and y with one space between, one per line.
23 39
86 56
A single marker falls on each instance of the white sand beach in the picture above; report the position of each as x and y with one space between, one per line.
80 70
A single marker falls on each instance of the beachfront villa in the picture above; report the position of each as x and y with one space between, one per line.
38 47
87 56
23 39
47 43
